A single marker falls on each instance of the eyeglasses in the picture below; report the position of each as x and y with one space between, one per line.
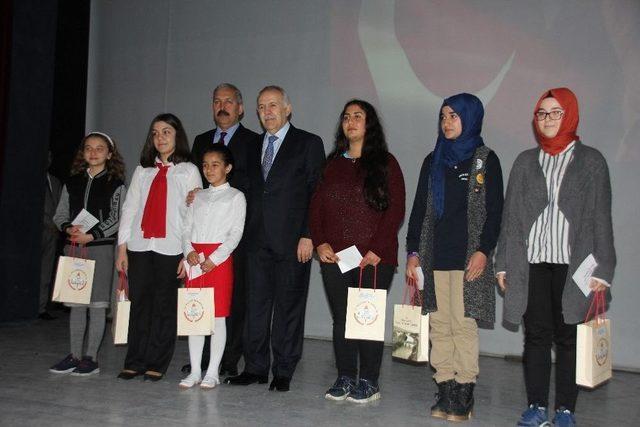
553 115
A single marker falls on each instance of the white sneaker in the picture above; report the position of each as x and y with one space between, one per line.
190 381
209 382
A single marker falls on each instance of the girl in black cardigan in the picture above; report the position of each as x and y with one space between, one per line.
96 185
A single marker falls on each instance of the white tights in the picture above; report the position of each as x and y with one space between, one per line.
218 340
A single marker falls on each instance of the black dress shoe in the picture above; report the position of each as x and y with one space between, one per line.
45 315
280 384
153 376
246 378
225 371
128 374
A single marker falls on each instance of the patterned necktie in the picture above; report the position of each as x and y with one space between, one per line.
267 161
222 136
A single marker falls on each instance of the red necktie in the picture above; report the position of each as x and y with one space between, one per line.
154 217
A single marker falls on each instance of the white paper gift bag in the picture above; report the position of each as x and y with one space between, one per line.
593 347
121 311
74 279
410 329
196 310
366 310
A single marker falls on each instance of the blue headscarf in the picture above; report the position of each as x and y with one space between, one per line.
450 152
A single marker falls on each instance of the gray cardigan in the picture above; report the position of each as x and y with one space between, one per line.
585 201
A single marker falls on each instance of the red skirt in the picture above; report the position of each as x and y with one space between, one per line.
220 279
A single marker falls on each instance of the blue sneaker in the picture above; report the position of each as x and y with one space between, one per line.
86 367
564 418
535 416
66 365
365 391
341 388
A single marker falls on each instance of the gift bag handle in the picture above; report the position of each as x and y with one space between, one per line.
189 281
415 296
83 252
375 277
597 306
123 284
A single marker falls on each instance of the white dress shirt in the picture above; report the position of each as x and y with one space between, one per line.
216 216
181 179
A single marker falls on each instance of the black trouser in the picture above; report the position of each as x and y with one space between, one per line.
277 290
153 291
235 322
543 326
347 350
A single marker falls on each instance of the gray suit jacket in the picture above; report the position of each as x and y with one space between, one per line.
584 199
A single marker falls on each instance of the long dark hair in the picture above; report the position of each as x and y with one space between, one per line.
374 158
181 153
114 165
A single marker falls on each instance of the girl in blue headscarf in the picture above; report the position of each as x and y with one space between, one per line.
453 230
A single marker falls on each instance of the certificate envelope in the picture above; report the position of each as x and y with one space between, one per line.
583 274
349 258
85 220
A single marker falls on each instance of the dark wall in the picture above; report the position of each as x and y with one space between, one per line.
46 102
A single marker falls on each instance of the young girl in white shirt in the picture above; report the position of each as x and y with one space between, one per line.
150 245
213 227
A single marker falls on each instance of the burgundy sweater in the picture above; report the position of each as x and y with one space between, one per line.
340 216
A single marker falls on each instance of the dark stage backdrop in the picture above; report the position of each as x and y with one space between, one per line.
404 56
46 100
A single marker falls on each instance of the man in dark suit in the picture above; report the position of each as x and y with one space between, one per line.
283 172
50 237
228 110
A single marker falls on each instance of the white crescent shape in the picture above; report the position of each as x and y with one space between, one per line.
388 61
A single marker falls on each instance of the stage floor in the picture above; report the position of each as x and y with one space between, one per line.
30 395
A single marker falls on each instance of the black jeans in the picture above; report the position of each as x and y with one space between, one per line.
153 291
543 326
347 350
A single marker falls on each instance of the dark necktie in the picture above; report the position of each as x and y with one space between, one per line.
267 161
222 136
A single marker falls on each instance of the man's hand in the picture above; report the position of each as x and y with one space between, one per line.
305 249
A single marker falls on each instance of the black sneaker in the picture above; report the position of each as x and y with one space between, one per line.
65 366
86 367
364 392
341 388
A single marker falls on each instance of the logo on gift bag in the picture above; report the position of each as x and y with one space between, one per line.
193 310
602 351
77 280
366 313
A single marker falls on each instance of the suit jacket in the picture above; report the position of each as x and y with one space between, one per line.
241 142
53 190
278 217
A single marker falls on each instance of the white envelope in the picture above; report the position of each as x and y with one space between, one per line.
194 271
85 220
420 277
583 274
349 259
